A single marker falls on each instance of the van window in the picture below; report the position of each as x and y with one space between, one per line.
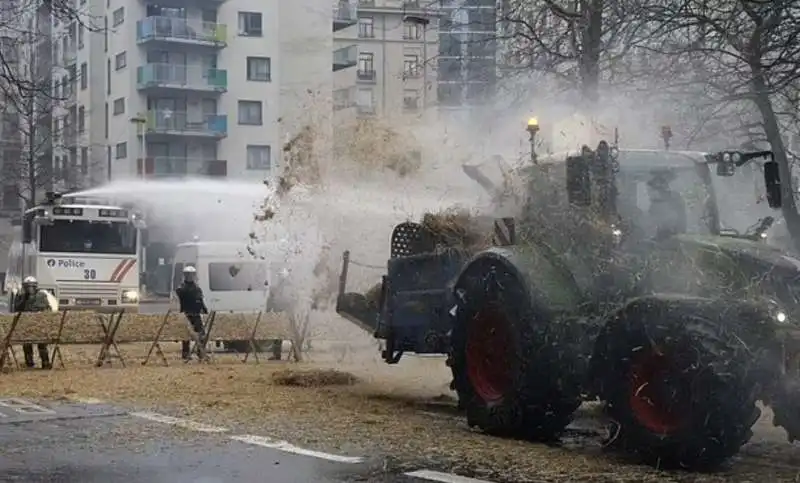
236 276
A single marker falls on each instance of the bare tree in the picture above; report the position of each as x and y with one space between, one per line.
741 52
578 42
27 25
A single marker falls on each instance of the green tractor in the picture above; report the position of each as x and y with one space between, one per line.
614 282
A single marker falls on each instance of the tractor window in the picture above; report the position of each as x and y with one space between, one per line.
676 200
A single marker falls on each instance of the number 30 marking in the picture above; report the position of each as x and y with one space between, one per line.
89 274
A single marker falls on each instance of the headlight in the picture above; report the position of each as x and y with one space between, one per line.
781 317
726 157
130 296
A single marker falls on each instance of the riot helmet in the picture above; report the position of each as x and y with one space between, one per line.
189 274
30 284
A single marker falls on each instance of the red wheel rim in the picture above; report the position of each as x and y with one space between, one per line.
489 354
656 403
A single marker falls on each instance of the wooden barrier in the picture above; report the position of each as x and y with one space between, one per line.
109 330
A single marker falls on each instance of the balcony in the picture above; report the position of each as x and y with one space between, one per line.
366 76
181 77
178 167
345 57
183 31
170 123
345 14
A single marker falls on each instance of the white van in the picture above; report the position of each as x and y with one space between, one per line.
232 280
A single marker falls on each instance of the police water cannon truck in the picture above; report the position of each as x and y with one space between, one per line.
84 252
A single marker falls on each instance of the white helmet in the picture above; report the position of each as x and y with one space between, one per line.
30 280
189 269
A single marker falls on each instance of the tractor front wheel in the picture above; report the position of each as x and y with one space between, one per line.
505 382
674 377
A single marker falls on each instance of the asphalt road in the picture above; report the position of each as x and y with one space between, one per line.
94 443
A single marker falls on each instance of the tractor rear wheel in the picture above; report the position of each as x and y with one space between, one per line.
675 381
504 383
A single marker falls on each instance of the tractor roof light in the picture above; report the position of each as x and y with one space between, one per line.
533 125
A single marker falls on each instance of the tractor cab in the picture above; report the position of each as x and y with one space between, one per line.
654 193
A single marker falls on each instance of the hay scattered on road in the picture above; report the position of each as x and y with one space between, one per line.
313 378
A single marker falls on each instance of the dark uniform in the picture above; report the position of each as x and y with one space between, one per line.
190 298
33 300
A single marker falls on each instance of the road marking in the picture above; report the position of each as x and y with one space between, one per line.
184 423
290 448
24 407
442 477
88 400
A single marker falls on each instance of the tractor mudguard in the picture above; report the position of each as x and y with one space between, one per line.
551 287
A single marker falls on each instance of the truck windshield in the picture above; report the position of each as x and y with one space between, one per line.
237 276
84 236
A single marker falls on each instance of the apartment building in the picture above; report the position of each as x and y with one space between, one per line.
397 45
167 89
467 60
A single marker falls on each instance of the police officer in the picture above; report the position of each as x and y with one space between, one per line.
190 298
32 300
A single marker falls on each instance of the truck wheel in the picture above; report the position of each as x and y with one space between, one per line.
674 378
503 383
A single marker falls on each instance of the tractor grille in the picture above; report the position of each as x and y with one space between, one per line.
88 290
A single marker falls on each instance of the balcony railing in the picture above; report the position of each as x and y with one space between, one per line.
182 76
345 57
181 30
181 123
366 75
173 167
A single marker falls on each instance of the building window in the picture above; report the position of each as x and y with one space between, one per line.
411 66
122 150
258 69
250 113
84 161
365 100
259 157
84 76
118 16
119 106
81 119
120 61
366 62
250 24
411 99
412 31
366 27
81 35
